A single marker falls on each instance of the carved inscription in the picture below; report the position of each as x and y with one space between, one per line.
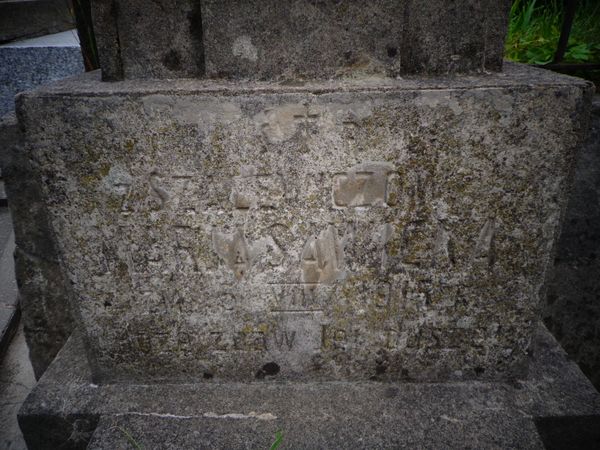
332 338
155 184
252 341
322 258
232 248
257 191
284 339
306 119
484 249
363 185
301 297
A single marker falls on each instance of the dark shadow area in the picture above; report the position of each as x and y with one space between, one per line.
573 433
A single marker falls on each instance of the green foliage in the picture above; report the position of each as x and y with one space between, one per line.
130 439
534 29
278 440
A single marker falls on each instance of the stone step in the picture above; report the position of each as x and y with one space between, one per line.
27 64
67 408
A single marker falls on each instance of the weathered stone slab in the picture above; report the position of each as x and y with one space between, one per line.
34 62
372 228
260 39
572 310
275 39
149 39
66 408
43 287
20 19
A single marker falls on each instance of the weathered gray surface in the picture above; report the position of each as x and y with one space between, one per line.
9 299
28 18
371 228
455 37
260 39
16 382
311 415
27 64
149 39
43 289
275 39
572 308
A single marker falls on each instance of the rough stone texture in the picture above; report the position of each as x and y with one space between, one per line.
16 383
43 288
28 64
337 230
9 303
572 308
65 407
260 39
450 37
275 39
149 39
28 18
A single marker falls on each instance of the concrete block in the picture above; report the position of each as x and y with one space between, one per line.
66 408
141 39
27 64
43 287
300 39
372 228
20 19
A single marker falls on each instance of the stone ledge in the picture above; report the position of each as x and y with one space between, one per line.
514 76
67 406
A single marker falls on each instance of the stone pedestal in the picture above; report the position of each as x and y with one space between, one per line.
66 409
300 39
293 237
342 230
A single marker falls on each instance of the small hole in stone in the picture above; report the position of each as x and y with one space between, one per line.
380 369
207 375
172 60
479 370
270 368
107 304
392 51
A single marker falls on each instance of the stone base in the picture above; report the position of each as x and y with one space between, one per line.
396 229
66 410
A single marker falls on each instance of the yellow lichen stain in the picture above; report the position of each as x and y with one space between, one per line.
129 145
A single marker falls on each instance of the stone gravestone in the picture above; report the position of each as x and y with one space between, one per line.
298 211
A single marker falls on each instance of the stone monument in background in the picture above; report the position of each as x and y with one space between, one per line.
304 191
